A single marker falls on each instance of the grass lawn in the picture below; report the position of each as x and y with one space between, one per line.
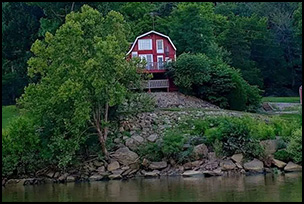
282 99
8 113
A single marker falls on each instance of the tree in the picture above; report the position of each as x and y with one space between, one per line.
83 74
215 81
20 24
191 26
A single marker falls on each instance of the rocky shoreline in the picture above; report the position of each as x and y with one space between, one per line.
125 164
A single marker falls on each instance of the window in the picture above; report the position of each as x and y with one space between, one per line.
134 54
160 63
145 44
160 46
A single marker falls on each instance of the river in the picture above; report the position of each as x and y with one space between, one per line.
254 188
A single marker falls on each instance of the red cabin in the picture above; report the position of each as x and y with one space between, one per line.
157 49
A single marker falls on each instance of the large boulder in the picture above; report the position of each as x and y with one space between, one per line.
95 177
200 151
254 166
125 156
270 146
237 158
227 165
192 173
113 166
152 138
158 165
153 173
278 163
216 172
292 167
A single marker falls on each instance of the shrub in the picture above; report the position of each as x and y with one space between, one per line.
282 155
20 148
173 142
150 151
136 103
294 148
214 81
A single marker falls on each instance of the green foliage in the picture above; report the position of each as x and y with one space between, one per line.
218 148
215 81
294 147
82 69
20 147
136 103
173 142
8 114
282 155
151 151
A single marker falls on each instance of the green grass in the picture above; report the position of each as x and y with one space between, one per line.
8 114
282 99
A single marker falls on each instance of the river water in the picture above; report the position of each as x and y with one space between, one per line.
255 188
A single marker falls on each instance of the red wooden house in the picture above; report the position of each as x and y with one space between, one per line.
157 49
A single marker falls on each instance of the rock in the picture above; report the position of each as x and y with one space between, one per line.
270 146
115 176
278 163
192 173
145 162
130 143
196 163
117 140
200 151
56 175
97 163
237 158
188 166
153 173
227 165
152 138
125 168
212 156
210 165
292 167
101 169
216 172
158 165
96 177
255 166
239 166
50 174
113 166
70 179
63 177
138 139
3 181
125 156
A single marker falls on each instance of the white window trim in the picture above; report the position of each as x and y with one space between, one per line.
135 53
160 50
160 56
146 56
140 48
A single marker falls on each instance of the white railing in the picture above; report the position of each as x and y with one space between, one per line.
155 65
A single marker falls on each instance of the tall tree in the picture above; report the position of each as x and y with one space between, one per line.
20 24
83 74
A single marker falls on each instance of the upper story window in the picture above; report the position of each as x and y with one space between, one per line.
145 44
160 46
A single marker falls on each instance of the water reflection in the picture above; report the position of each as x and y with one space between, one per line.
227 189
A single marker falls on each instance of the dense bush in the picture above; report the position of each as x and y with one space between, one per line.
20 147
294 147
214 81
282 155
151 151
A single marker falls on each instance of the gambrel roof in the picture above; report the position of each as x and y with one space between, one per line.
152 31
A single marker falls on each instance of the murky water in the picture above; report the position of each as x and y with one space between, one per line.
284 188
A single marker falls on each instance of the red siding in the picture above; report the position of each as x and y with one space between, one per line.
155 37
